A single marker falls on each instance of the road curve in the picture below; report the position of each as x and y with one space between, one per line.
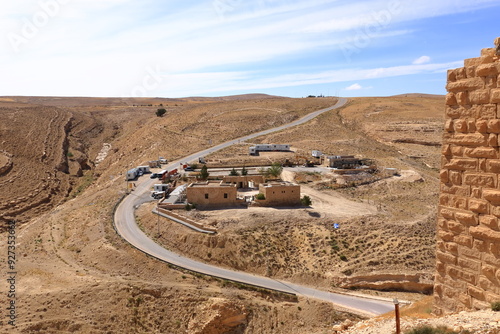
126 227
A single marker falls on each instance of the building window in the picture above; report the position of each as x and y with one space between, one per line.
206 196
225 195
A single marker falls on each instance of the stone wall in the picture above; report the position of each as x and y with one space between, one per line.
468 232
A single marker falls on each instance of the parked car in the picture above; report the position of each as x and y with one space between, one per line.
153 176
188 169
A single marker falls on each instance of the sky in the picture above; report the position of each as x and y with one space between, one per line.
152 48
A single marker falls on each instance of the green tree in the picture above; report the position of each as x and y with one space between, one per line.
260 196
234 172
244 171
275 170
204 172
160 112
306 200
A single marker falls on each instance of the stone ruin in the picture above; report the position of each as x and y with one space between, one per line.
468 228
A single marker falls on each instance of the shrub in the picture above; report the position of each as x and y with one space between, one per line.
495 306
233 172
244 171
430 330
306 200
343 257
260 196
160 112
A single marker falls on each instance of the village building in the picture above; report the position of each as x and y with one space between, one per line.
244 181
213 194
279 194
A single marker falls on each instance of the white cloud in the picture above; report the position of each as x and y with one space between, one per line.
355 86
421 60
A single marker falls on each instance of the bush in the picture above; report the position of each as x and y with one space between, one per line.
244 171
495 306
343 257
160 112
260 196
306 200
234 172
194 166
430 330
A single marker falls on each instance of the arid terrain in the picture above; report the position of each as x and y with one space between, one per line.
64 161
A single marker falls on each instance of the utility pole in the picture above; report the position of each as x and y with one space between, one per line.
396 309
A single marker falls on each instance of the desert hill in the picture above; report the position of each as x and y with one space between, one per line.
76 274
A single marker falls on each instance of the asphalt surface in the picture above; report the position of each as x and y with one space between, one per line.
126 226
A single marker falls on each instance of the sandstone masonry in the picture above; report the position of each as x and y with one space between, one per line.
468 231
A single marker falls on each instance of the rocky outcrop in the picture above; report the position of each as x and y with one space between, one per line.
218 316
388 282
5 162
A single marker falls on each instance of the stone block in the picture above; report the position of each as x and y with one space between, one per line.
469 264
481 125
493 140
455 227
462 164
492 195
445 236
486 111
471 125
476 193
479 96
484 233
466 252
466 218
480 246
460 73
462 85
486 59
455 190
482 152
478 206
443 176
480 180
463 98
463 240
495 95
472 62
488 52
465 300
495 210
469 139
482 165
438 289
449 127
446 258
491 82
491 259
493 166
489 272
489 221
470 71
486 70
480 304
494 250
469 277
445 150
451 247
442 224
486 284
457 151
451 100
460 125
492 297
447 213
494 126
451 76
455 177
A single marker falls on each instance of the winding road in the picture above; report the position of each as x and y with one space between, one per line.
127 228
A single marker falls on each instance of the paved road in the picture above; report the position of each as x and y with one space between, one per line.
126 226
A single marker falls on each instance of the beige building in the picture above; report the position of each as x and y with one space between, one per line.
212 194
280 194
244 181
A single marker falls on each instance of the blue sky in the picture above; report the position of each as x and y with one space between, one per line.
224 47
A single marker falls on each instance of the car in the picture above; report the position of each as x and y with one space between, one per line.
153 176
188 169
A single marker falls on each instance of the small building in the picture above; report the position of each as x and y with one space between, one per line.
213 194
279 194
131 174
342 161
254 150
244 181
316 154
143 169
